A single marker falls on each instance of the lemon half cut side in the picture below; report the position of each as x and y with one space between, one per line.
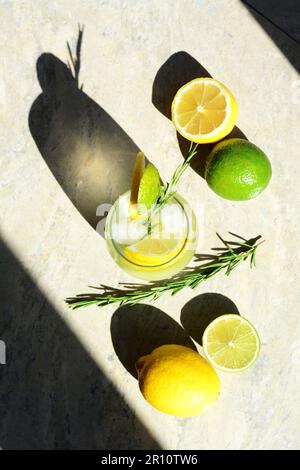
204 110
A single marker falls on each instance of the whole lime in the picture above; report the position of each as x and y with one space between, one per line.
237 170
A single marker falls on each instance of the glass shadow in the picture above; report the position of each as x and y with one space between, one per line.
89 154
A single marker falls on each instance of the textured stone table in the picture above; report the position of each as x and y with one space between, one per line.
69 380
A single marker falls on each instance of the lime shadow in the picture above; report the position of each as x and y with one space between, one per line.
200 311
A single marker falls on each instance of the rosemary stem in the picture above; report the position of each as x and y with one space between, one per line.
226 262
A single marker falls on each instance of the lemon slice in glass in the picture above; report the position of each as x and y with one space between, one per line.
154 251
231 343
204 110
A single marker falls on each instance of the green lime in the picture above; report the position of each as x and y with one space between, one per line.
231 343
145 186
237 170
149 189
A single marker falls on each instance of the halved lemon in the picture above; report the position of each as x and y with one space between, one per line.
145 186
153 251
204 110
231 343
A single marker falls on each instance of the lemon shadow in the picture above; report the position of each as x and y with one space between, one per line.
137 330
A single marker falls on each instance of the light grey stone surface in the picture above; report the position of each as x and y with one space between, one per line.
66 383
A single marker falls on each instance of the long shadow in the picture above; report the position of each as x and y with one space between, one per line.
89 154
52 394
137 330
281 21
200 311
179 69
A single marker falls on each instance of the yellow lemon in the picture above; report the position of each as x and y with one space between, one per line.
177 380
204 110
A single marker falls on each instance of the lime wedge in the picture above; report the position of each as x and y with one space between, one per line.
149 187
231 343
145 186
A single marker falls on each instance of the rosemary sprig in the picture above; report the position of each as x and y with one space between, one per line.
228 258
170 188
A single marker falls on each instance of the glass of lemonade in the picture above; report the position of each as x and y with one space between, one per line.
152 252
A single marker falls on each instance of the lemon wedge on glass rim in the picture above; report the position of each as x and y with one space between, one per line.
231 343
204 110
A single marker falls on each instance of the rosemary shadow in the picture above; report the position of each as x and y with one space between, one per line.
179 69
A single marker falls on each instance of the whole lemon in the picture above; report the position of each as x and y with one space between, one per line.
177 380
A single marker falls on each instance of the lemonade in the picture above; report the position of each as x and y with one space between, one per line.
156 253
